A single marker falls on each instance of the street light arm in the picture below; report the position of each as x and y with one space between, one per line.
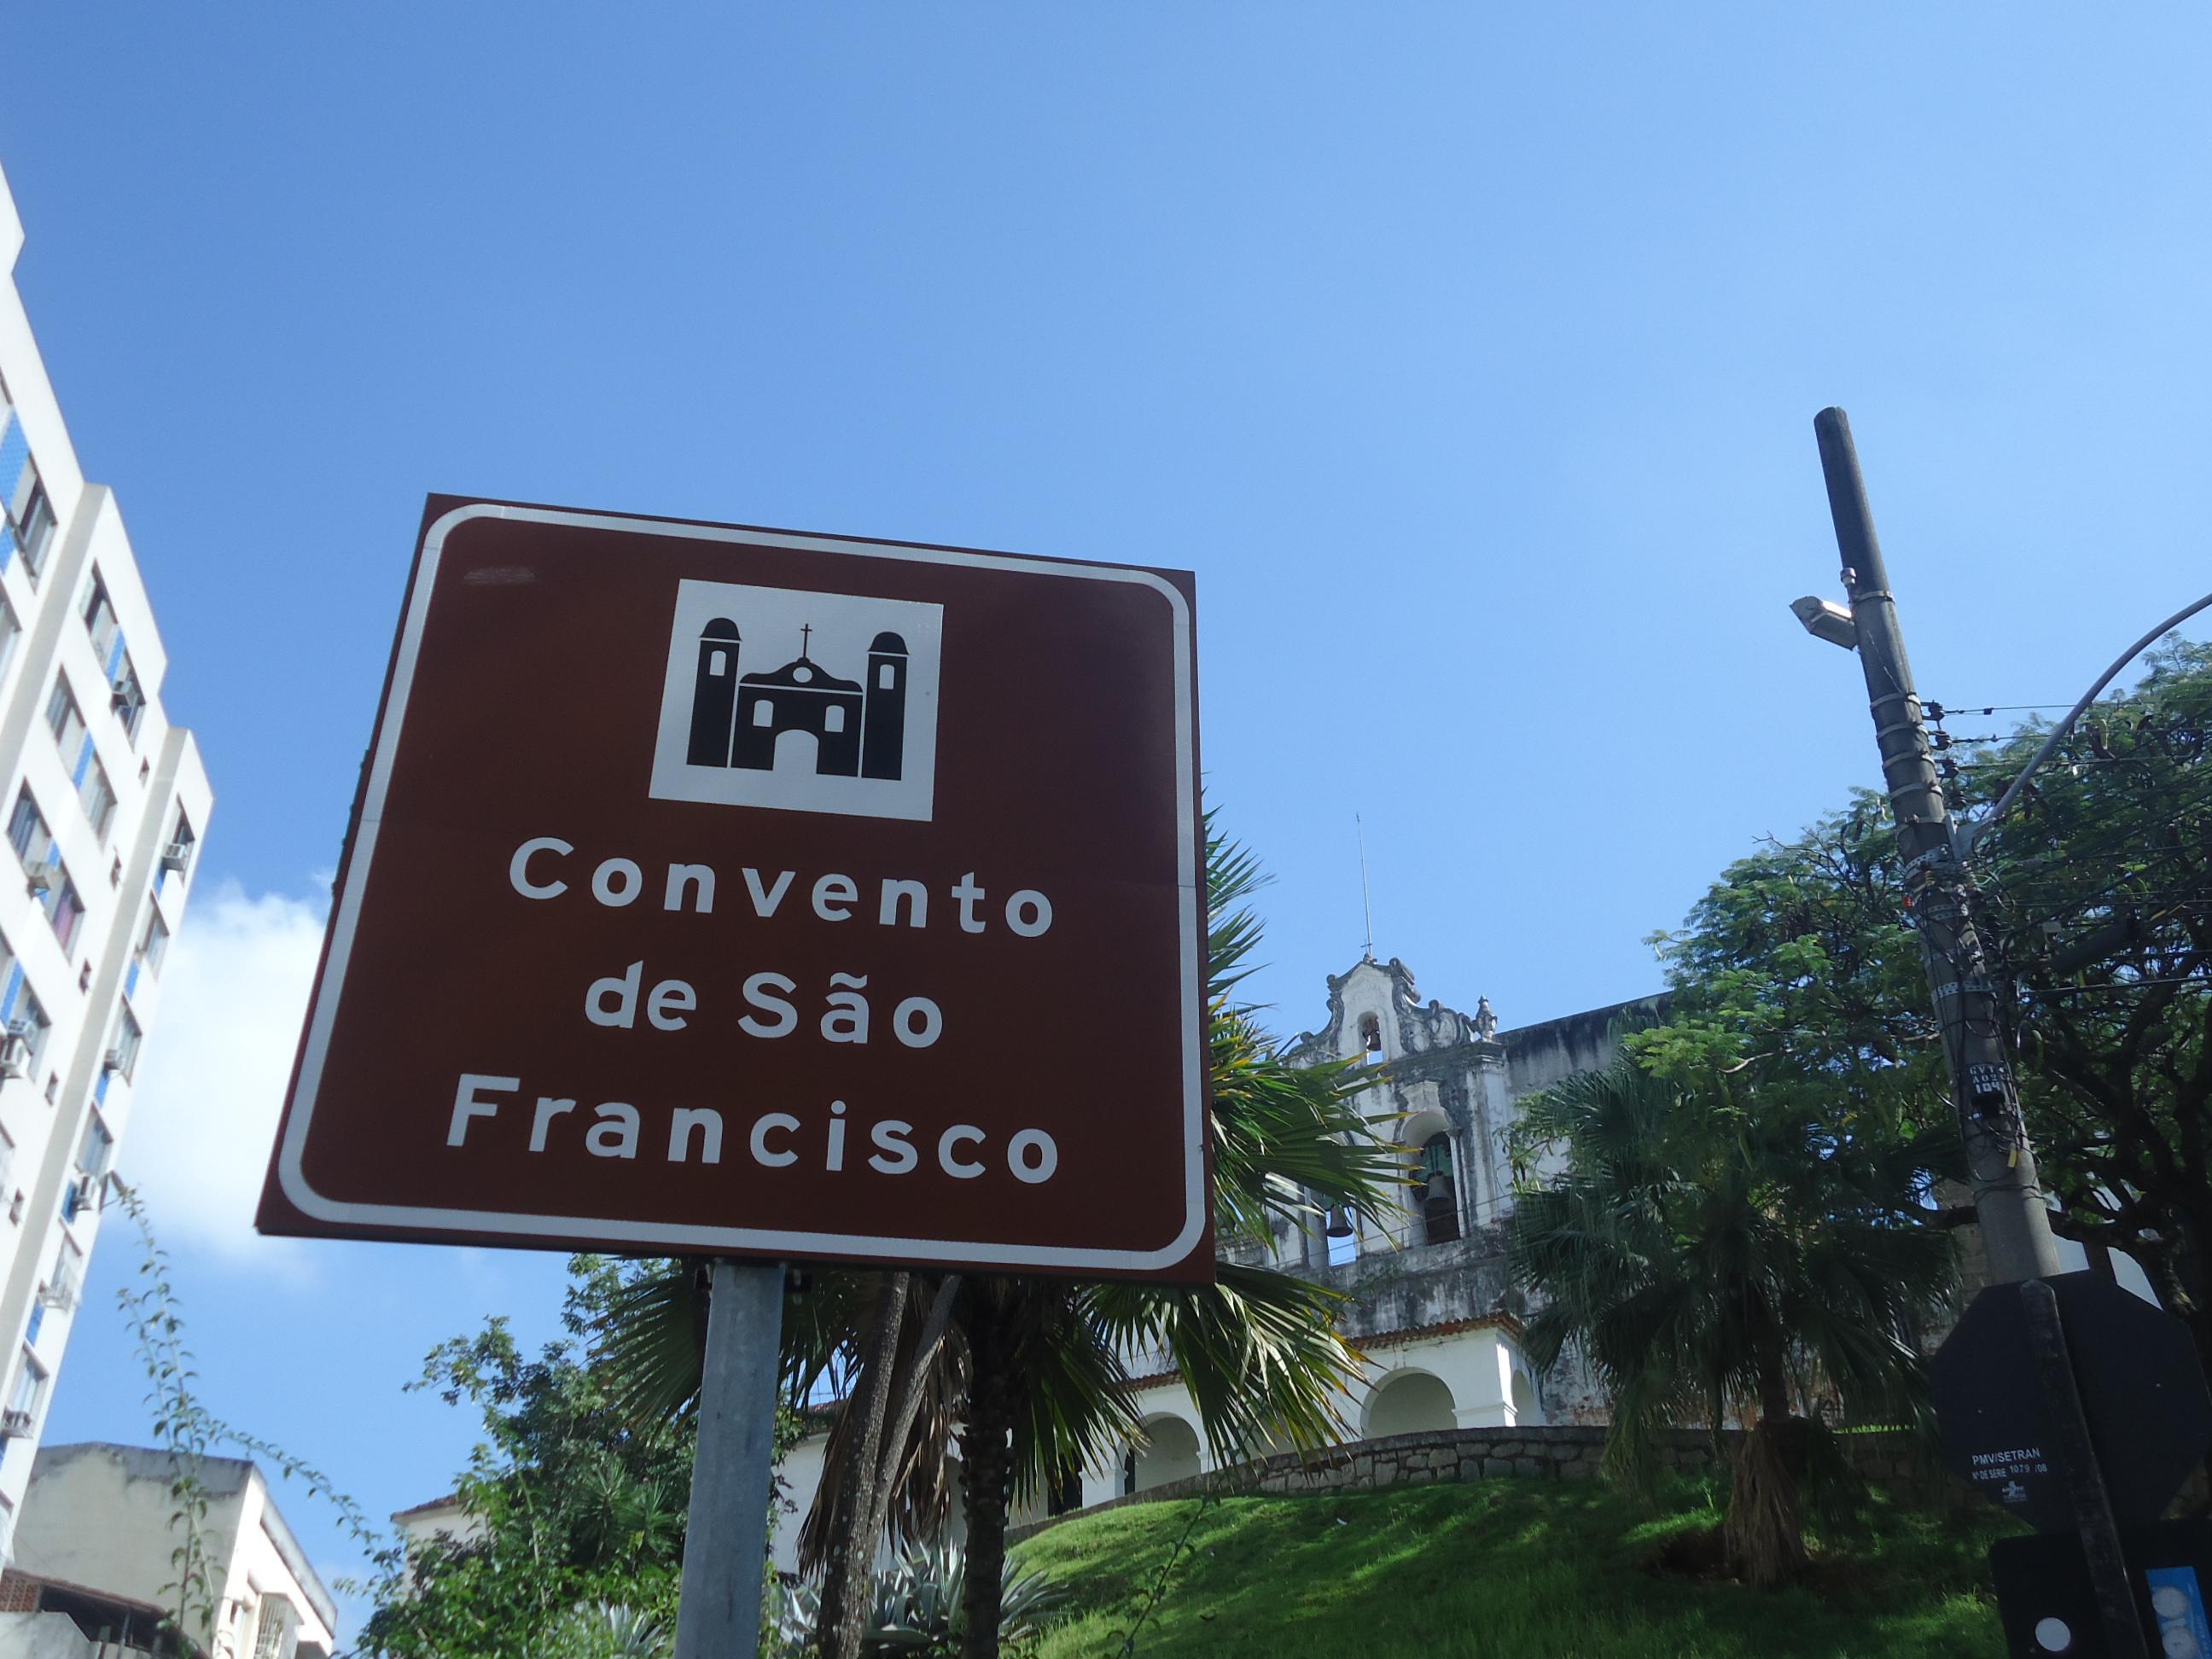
1973 833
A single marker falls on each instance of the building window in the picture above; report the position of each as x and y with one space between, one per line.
124 1056
84 1192
127 698
98 796
24 1399
33 528
95 1150
1435 1194
64 722
833 718
763 713
25 1044
65 905
1370 1034
10 631
27 833
886 677
276 1624
155 944
1340 1236
178 855
99 620
68 1283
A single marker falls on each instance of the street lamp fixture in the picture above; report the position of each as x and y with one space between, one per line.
1824 619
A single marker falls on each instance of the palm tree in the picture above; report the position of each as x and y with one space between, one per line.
1027 1374
1708 1251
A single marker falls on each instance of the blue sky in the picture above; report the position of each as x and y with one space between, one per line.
1470 358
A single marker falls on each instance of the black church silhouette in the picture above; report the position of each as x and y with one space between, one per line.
858 729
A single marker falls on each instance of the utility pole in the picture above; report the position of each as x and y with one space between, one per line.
2008 1201
2008 1194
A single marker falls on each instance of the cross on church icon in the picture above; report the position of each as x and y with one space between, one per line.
858 728
847 724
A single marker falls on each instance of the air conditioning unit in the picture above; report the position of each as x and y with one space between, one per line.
14 1055
84 1192
40 878
115 1061
177 856
15 1423
125 696
61 1297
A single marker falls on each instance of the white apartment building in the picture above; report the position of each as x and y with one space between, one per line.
95 1554
104 802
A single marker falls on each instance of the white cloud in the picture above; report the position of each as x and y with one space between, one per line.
218 1057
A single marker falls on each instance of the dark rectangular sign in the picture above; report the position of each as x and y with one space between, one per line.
736 891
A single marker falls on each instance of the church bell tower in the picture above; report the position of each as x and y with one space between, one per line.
883 724
714 694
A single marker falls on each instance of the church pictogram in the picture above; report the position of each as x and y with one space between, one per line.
800 700
858 727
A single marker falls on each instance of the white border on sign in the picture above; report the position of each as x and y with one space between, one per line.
767 1241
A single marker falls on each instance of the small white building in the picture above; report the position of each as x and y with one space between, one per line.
105 803
96 1528
445 1518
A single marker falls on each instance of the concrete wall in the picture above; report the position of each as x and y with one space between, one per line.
1888 1461
46 1636
1542 1054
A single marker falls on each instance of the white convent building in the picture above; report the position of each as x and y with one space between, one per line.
105 802
1427 1295
1428 1298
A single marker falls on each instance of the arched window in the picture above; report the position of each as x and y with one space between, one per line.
1435 1194
1370 1034
1412 1403
1169 1452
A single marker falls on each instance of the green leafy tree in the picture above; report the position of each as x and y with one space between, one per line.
574 1536
1712 1251
1799 967
2101 907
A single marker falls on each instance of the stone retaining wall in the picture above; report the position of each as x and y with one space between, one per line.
1889 1460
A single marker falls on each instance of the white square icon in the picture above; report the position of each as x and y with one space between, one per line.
808 702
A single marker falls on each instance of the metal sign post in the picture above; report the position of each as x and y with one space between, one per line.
726 1545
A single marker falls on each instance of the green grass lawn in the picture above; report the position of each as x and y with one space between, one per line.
1534 1569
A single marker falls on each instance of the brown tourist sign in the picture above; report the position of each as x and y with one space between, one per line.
732 891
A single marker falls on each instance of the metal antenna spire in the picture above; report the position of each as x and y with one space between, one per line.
1366 901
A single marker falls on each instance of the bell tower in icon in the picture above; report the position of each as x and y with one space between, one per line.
883 723
715 694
